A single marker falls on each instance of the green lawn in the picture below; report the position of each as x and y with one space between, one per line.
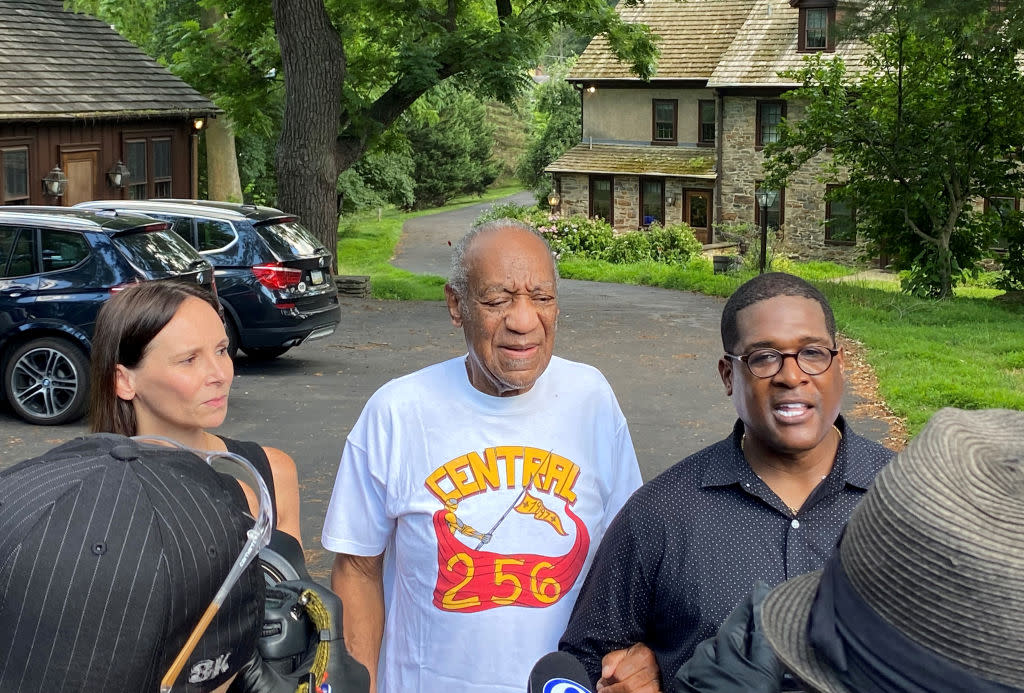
962 352
966 352
963 291
697 276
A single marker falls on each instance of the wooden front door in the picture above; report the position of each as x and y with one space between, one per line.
697 213
80 168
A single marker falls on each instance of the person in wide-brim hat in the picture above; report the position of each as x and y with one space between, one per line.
926 590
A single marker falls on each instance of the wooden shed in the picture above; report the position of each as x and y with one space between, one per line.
87 115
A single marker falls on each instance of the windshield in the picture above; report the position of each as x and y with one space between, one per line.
158 253
289 239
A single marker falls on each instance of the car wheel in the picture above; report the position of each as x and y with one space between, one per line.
264 353
232 331
47 381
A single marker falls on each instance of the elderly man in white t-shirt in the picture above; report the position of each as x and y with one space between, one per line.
472 494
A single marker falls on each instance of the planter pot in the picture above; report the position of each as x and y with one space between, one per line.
724 263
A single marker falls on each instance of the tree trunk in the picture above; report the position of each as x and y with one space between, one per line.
308 161
957 198
945 266
222 179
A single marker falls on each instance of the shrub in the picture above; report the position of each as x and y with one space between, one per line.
632 246
674 244
1013 263
595 239
671 245
924 277
742 233
506 210
380 178
578 235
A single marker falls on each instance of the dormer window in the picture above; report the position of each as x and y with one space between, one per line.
817 23
816 28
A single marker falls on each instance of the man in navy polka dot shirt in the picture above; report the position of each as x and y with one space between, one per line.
767 503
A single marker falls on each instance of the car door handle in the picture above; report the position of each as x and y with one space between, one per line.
12 294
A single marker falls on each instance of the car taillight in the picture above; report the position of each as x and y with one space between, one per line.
276 276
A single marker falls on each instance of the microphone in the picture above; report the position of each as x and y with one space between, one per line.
558 672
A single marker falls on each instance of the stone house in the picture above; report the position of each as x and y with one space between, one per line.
84 114
687 145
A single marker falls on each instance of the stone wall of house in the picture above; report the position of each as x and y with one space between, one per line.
674 192
575 194
804 200
627 203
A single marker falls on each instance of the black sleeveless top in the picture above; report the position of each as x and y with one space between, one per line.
255 454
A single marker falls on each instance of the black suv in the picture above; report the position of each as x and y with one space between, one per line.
273 277
57 266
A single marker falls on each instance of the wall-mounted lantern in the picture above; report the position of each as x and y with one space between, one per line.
554 200
55 182
670 201
118 175
198 124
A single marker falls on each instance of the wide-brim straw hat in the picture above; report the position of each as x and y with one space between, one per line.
936 547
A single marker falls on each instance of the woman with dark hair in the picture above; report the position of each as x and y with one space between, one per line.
160 366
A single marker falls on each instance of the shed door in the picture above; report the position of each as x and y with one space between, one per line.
80 168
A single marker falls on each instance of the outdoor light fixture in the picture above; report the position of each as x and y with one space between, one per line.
118 175
765 199
55 182
553 200
670 201
591 89
198 124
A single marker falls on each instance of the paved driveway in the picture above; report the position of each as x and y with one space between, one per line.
657 347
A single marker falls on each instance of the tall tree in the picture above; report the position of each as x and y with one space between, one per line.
352 67
223 181
554 129
229 52
451 146
932 124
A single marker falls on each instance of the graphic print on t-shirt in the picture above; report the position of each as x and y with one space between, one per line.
517 495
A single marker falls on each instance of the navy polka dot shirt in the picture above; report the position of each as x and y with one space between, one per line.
689 545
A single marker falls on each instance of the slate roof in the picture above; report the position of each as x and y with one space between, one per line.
727 42
58 64
766 45
649 161
693 36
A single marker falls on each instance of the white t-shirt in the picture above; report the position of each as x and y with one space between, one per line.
433 465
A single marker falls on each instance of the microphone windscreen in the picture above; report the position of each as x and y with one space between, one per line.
558 672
